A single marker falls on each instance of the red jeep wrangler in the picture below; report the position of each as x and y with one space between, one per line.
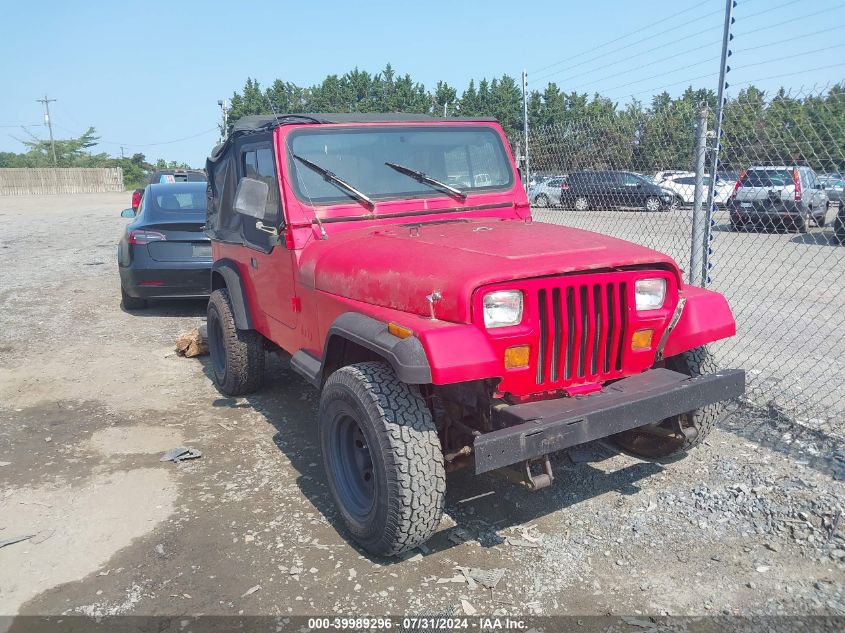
395 258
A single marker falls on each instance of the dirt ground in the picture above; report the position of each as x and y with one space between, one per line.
91 396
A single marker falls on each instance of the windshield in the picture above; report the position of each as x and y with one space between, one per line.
183 199
470 159
767 178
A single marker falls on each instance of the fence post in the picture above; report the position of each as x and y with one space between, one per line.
525 127
721 100
699 217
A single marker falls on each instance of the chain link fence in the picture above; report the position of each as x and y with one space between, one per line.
769 234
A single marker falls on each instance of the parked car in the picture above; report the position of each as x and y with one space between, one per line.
442 328
164 251
835 188
547 192
593 189
684 186
663 175
781 195
168 176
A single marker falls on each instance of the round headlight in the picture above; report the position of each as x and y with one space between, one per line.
502 308
650 293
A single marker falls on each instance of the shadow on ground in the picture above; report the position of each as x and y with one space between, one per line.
289 404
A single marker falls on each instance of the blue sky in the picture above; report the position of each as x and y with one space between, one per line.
148 75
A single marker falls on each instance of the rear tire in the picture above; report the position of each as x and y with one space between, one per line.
652 204
802 225
695 362
382 458
131 303
237 356
821 221
581 203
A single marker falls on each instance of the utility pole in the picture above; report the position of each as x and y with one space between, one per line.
49 123
224 107
121 152
527 174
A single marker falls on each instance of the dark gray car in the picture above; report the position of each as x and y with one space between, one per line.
789 195
164 251
614 189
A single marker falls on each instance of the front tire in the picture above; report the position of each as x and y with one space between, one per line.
382 458
237 356
651 442
541 201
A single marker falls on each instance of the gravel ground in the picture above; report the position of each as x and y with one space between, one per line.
90 396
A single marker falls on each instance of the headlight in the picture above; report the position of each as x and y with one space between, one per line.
651 293
502 308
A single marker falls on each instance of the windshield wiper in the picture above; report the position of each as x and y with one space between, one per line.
333 178
428 180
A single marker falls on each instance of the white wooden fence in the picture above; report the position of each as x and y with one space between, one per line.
21 182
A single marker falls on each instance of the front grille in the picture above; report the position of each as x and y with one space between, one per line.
582 331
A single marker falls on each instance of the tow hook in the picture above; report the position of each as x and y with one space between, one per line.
525 475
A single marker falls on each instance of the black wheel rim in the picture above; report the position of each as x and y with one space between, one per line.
218 350
352 466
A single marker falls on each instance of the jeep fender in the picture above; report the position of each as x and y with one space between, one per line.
225 274
406 356
706 318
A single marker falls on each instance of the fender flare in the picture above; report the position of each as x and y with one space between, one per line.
228 270
405 355
706 318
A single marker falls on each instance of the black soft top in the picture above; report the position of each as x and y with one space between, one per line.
222 223
258 123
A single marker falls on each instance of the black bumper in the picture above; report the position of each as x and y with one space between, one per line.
538 428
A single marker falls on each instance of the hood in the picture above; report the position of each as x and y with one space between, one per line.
396 266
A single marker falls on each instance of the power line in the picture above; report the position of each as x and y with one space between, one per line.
752 48
779 75
777 59
666 44
789 21
648 26
176 140
130 145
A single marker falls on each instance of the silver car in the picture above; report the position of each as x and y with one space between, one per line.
835 188
547 192
790 195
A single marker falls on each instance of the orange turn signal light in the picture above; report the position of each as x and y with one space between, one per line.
399 331
517 357
642 339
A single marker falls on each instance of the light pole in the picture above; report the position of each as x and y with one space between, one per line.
224 107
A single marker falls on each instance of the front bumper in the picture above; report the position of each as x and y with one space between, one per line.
539 428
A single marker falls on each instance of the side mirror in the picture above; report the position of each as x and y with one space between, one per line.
251 198
127 213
